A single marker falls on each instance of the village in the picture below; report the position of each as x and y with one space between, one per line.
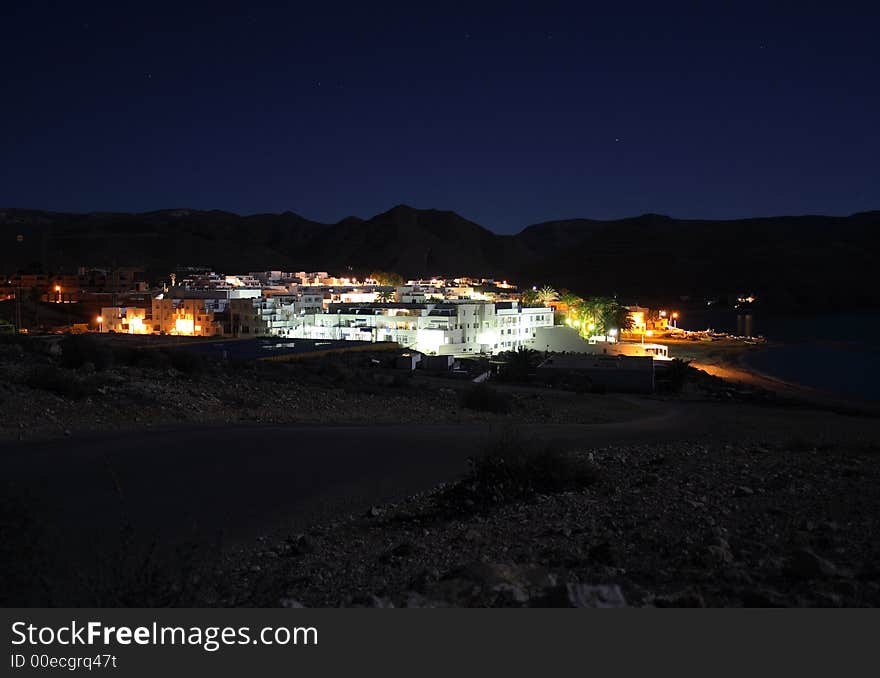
440 320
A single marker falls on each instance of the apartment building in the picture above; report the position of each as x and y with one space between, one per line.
441 328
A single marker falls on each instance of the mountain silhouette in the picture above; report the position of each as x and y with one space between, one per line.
795 261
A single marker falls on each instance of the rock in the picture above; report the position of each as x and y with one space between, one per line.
425 578
402 550
720 554
581 595
761 597
290 603
371 600
743 491
374 512
602 553
805 564
493 584
680 599
300 545
473 535
828 599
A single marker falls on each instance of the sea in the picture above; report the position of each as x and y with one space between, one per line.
838 353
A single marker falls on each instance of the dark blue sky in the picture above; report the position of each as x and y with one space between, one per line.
506 113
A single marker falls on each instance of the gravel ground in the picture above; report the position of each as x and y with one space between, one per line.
683 524
132 398
770 506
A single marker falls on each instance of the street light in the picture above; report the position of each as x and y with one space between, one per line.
100 320
57 294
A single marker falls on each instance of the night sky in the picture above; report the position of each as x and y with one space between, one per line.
507 116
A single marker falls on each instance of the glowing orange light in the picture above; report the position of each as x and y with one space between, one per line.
184 326
136 325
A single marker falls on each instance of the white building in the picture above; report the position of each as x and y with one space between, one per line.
441 328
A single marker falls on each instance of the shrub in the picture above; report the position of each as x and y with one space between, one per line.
512 469
519 365
188 362
79 349
678 371
125 355
62 382
331 369
152 359
483 398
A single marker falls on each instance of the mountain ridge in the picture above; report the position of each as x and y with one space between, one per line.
794 259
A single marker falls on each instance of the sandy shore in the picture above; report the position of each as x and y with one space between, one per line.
728 360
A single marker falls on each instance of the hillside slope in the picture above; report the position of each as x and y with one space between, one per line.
827 261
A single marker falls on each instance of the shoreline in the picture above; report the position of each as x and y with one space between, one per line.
728 360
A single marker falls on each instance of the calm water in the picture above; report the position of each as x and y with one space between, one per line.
834 352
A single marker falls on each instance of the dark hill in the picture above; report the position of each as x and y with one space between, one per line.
792 261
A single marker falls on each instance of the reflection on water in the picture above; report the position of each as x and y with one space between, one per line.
745 325
836 370
833 352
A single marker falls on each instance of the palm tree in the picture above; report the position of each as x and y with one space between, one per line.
570 299
588 315
384 296
547 294
572 306
519 364
613 316
529 297
622 319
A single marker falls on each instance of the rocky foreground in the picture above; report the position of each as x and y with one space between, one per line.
47 396
746 502
676 524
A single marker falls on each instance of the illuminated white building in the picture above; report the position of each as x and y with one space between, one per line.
124 320
441 328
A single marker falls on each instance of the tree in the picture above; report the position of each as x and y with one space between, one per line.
619 318
603 314
387 278
529 297
519 364
547 294
384 296
570 299
587 315
612 316
572 305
